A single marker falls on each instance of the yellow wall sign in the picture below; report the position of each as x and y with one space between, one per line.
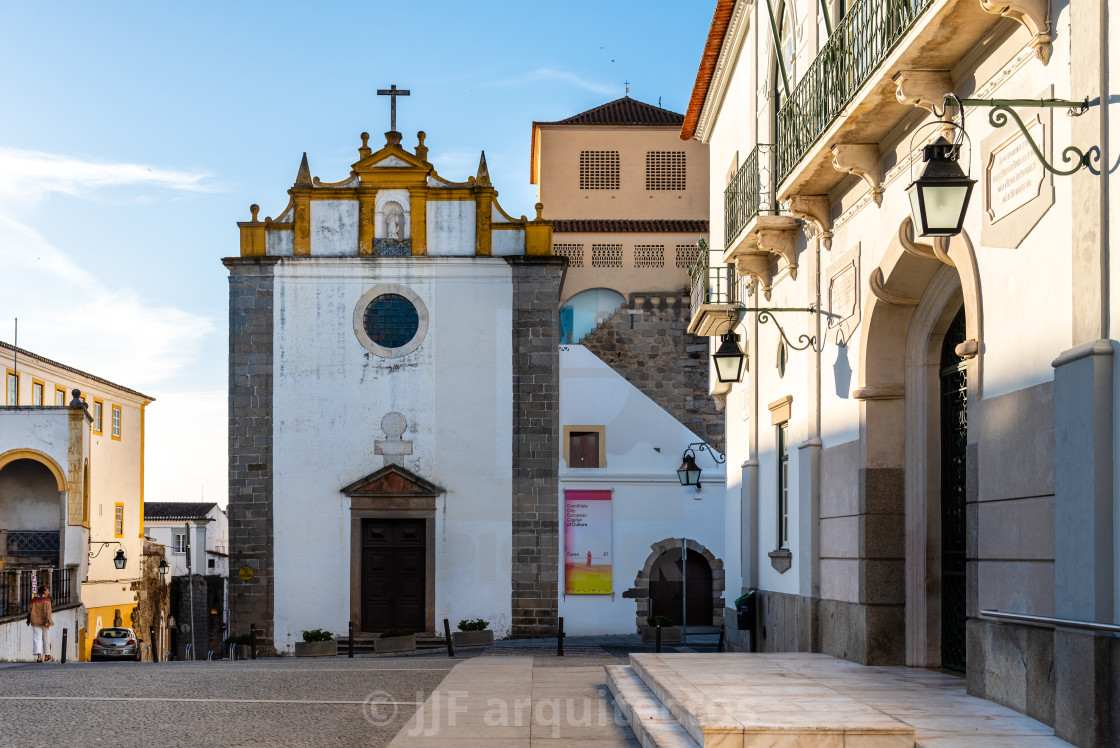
245 572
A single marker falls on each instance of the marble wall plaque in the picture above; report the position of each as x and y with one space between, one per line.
843 296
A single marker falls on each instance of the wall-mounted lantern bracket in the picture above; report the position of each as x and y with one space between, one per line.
705 447
766 314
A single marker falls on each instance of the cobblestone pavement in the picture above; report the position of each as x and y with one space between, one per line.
269 702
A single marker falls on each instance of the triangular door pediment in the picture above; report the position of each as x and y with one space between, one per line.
394 157
392 481
392 162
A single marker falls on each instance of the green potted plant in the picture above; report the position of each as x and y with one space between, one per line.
669 631
317 643
473 633
395 640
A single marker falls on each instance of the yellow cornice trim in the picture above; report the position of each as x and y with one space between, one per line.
34 454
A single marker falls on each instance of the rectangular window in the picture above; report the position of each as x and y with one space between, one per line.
98 412
574 253
606 255
59 395
665 170
783 486
11 388
649 255
598 170
583 449
180 545
209 563
118 520
117 422
37 389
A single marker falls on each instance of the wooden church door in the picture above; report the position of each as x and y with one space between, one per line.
393 559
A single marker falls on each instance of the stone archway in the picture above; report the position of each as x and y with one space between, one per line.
641 581
915 292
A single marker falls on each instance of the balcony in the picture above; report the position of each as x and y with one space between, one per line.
714 294
884 58
750 192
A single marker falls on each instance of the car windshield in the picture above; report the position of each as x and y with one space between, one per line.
115 633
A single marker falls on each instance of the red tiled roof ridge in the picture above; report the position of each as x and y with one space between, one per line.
624 111
633 225
721 19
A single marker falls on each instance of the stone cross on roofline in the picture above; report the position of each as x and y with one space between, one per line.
393 92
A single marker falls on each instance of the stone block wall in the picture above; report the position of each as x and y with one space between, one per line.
536 444
646 341
251 285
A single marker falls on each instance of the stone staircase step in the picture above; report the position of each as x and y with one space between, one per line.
653 725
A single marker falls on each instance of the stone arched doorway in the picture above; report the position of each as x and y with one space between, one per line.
661 575
32 510
917 292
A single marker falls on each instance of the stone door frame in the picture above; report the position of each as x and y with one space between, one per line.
641 581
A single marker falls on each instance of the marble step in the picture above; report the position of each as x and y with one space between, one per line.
751 700
652 724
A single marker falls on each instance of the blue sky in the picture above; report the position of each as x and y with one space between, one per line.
134 135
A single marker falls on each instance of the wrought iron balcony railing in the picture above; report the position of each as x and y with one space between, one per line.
711 284
869 31
32 543
751 191
18 586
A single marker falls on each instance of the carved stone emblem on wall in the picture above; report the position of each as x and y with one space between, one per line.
843 296
393 425
1017 189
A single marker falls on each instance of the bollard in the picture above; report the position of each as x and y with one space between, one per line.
722 634
350 642
64 633
657 640
560 638
154 642
232 652
447 633
252 641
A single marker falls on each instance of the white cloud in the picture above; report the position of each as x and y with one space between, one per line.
68 313
26 177
539 75
181 467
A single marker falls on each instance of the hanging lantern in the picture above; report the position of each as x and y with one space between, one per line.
939 197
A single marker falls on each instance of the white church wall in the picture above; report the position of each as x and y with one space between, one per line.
334 227
507 242
44 429
330 395
280 243
643 444
451 228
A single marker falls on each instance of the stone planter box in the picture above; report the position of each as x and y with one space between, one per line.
482 638
668 634
317 649
395 644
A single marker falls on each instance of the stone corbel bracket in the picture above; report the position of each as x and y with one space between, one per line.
862 160
926 89
1033 15
756 265
814 210
936 251
878 288
778 235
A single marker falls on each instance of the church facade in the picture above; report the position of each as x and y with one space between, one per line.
393 390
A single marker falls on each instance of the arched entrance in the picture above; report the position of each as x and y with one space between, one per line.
953 375
32 502
659 587
690 602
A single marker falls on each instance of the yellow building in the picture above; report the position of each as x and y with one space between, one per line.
109 476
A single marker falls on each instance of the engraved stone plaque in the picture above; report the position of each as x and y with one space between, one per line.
843 296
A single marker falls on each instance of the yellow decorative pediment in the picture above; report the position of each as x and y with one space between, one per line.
392 157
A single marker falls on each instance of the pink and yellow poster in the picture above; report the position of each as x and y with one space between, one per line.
587 543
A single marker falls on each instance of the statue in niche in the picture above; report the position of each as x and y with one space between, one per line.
393 215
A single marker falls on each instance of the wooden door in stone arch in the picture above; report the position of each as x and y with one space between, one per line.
667 593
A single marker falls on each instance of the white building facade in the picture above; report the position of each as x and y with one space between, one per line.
924 450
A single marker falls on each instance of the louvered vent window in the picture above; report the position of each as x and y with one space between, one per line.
574 253
598 170
687 254
606 255
665 170
649 255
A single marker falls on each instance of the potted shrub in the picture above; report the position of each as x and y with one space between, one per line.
317 643
395 640
240 644
472 633
669 632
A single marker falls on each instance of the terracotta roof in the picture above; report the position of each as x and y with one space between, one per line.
667 226
624 111
45 360
720 21
164 510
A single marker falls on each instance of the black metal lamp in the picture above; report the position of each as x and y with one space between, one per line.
119 560
164 568
729 359
689 472
939 197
